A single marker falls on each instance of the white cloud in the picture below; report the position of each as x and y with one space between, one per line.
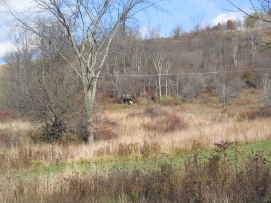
148 32
8 23
19 5
224 17
5 48
144 31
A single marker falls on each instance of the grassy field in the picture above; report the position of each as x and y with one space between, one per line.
146 141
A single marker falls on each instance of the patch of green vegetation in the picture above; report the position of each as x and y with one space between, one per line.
169 100
102 165
264 146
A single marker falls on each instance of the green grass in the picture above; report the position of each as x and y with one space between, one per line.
260 146
102 165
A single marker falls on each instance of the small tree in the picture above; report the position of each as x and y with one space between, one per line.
90 27
231 25
177 32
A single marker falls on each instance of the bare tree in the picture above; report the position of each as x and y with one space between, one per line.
162 67
90 27
16 80
177 32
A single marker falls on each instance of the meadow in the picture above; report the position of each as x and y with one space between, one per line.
171 151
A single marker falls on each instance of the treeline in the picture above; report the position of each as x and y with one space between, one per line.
37 79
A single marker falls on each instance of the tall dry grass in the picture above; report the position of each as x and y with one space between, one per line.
131 138
129 128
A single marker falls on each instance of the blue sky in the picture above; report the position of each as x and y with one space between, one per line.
186 13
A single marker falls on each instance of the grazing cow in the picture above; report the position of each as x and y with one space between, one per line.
127 99
250 84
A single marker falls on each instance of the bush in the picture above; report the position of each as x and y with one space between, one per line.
104 129
168 123
153 112
5 116
53 130
264 112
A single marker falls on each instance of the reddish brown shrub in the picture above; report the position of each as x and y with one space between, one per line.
154 111
5 116
248 115
168 123
105 130
104 133
264 112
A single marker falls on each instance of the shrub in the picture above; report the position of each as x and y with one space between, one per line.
168 123
248 115
4 116
104 133
104 129
53 130
264 112
153 112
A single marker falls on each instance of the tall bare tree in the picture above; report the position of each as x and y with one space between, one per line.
162 66
90 27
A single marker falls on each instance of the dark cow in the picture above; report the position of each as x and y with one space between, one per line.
127 99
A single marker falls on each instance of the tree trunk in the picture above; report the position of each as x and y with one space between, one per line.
90 97
167 85
159 85
177 86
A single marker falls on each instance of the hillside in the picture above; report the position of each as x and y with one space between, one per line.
198 131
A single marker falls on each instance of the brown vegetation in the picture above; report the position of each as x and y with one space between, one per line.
263 112
168 123
215 180
105 129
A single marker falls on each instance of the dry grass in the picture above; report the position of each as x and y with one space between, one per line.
256 113
214 180
182 128
105 129
16 132
168 123
123 133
